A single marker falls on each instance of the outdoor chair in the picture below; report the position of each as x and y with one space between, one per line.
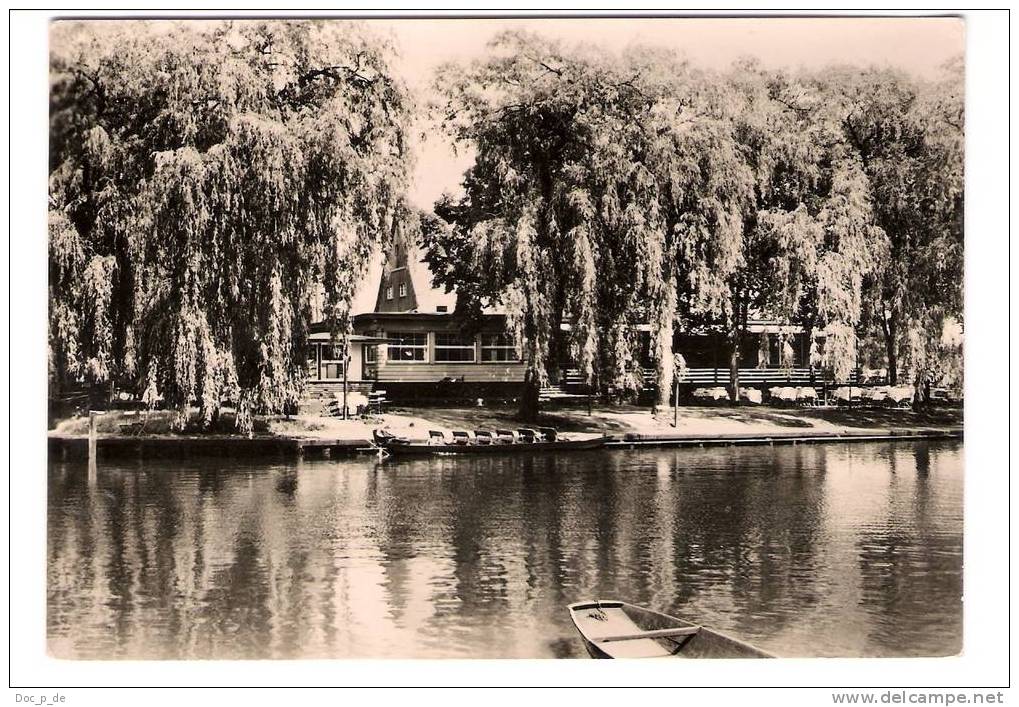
436 437
460 437
482 437
376 399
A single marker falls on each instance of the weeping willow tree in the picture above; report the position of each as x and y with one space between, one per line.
701 187
907 136
611 190
561 217
205 178
798 225
629 189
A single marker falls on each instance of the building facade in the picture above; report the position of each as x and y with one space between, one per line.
416 348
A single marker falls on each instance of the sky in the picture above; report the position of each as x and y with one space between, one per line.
917 45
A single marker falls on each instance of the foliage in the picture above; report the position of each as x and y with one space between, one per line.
560 215
205 178
605 191
647 190
908 136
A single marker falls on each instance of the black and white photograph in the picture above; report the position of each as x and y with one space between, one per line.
536 337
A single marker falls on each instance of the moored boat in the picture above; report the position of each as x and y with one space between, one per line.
413 448
615 629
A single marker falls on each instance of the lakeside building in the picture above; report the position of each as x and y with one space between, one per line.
412 346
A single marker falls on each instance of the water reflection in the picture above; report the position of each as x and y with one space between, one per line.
809 550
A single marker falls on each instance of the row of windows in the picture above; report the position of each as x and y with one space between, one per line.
451 348
403 291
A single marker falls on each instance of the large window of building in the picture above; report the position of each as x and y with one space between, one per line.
498 347
410 346
332 361
454 348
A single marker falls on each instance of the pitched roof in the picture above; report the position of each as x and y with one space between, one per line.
405 282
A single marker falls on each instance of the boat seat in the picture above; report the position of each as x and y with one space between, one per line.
657 633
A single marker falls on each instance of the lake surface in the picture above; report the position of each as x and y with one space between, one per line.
834 550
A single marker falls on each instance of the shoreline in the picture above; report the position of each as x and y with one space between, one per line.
73 446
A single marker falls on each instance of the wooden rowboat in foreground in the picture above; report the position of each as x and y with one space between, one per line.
615 629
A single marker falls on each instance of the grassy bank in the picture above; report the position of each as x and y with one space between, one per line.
604 419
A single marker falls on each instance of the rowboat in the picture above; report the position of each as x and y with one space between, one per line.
615 629
400 448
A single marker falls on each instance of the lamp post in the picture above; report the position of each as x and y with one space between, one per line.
346 364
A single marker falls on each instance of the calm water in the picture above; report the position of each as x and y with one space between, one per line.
812 550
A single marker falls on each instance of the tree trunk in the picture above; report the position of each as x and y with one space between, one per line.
739 324
888 324
664 361
528 411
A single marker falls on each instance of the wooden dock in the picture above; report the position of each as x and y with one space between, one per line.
166 446
634 440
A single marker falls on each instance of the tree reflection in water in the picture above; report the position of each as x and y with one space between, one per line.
807 550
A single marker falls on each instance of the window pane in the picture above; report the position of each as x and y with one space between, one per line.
333 352
411 346
410 338
332 370
454 354
499 354
452 346
501 339
446 339
498 347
